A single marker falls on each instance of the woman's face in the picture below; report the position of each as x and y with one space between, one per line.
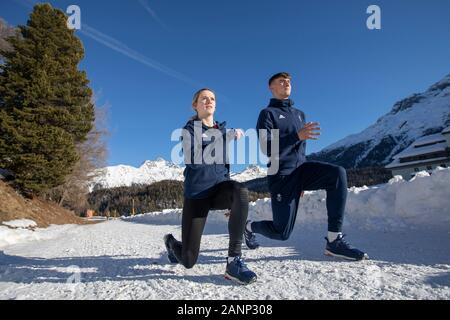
205 104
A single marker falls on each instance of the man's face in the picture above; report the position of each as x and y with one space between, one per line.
281 88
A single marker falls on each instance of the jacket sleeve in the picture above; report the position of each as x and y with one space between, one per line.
302 117
189 144
292 137
302 114
263 131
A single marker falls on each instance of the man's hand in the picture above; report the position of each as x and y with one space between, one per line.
311 130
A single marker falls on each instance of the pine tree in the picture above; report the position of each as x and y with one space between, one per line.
6 31
45 101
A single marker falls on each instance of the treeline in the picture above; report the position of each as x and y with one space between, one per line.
143 198
167 194
355 178
50 137
368 176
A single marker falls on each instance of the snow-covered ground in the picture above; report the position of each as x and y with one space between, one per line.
403 225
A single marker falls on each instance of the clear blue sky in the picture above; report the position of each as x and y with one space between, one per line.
149 57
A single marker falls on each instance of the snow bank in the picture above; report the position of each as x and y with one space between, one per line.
21 223
423 201
172 216
10 236
167 216
420 202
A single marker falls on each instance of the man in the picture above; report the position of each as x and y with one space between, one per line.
295 174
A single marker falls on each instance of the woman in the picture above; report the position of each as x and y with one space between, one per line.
207 186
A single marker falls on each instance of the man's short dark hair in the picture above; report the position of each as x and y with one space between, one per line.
284 75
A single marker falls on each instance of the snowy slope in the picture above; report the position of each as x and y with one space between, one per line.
251 173
403 225
154 171
148 173
415 116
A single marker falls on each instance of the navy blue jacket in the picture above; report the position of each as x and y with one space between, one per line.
201 177
280 114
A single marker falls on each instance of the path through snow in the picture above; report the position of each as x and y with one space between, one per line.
125 259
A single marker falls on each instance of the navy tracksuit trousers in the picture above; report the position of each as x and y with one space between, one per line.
225 195
285 193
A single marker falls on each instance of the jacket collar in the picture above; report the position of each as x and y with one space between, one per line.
217 125
277 103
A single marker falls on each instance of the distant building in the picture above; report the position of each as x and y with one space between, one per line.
425 154
90 213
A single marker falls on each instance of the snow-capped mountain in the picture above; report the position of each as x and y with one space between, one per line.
411 118
251 173
149 172
153 171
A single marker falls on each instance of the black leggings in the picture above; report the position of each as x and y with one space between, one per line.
226 195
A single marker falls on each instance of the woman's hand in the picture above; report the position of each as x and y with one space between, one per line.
311 130
238 134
